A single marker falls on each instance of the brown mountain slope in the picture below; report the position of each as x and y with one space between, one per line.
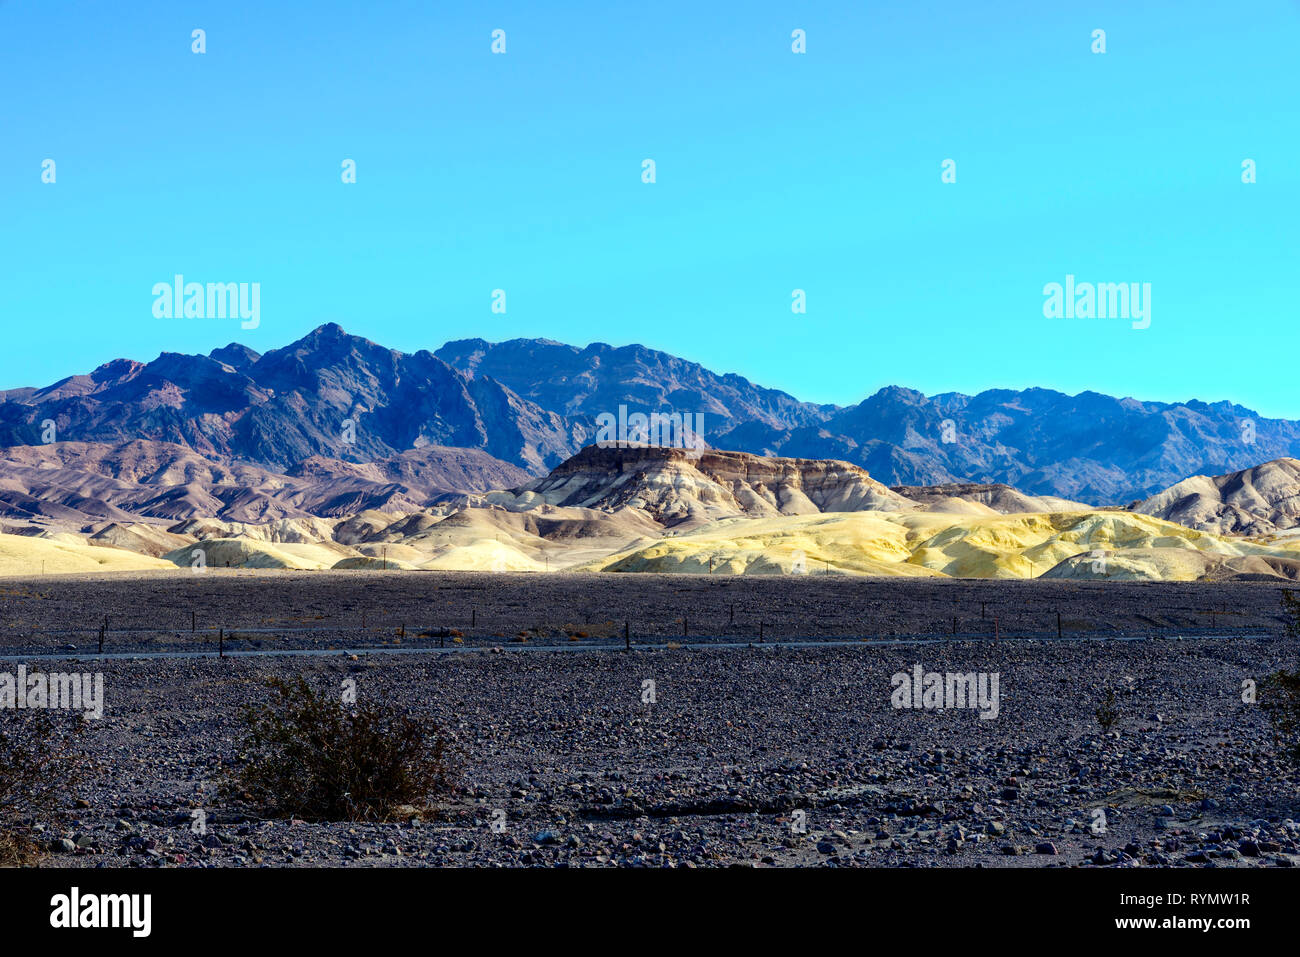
1263 500
84 483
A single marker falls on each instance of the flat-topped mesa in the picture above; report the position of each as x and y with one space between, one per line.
676 485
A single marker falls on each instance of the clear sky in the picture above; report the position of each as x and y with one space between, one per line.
775 171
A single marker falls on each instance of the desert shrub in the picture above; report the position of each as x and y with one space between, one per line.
312 757
1279 696
1108 711
39 764
1291 613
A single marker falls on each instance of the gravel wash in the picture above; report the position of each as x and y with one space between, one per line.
754 756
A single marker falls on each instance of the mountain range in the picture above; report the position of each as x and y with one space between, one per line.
333 401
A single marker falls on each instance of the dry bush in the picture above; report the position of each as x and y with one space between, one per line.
312 757
1279 696
1108 711
39 763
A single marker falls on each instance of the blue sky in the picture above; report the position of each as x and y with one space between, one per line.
775 171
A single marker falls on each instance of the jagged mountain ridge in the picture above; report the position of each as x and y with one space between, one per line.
1088 447
584 382
534 402
328 394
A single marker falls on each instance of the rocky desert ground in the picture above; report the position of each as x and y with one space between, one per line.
271 609
788 752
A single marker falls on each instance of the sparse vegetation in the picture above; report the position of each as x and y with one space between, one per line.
314 758
39 764
1279 696
1108 711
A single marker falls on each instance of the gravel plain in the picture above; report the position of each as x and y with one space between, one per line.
277 609
780 754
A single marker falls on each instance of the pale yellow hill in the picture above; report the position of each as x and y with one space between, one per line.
1074 544
66 554
395 552
485 555
246 553
139 537
545 537
1137 564
369 563
858 543
928 543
